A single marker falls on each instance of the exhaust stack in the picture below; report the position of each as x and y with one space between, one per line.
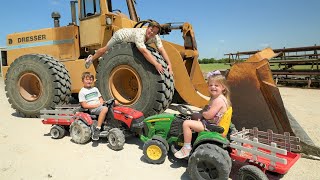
56 16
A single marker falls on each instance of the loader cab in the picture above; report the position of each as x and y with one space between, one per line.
89 8
90 23
98 20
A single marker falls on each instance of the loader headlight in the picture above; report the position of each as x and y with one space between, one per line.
108 21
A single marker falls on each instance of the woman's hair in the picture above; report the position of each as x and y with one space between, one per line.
155 24
222 80
87 74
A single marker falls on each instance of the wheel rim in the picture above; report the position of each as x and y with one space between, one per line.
125 84
54 133
207 170
30 87
112 139
154 152
77 131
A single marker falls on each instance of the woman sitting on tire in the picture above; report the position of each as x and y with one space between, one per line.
139 36
218 105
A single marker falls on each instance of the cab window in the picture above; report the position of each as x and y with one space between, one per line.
89 8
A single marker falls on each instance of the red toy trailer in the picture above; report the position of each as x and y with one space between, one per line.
263 151
119 121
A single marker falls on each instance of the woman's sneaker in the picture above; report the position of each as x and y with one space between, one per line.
88 61
88 64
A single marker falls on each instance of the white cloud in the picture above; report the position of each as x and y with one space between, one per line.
264 45
55 2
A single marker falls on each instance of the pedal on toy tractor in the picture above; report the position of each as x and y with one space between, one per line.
209 157
120 121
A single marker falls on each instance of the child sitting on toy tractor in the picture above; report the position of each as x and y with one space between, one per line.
91 99
94 118
208 143
218 105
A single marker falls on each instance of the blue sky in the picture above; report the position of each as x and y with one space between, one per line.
220 26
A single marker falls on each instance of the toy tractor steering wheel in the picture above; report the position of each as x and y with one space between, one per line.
110 103
184 110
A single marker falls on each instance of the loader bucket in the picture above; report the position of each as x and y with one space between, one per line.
257 102
188 78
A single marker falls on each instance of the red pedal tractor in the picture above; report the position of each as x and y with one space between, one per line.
120 121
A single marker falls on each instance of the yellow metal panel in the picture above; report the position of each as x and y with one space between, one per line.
90 31
76 68
61 43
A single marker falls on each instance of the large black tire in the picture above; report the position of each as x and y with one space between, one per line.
250 172
116 139
209 161
124 74
80 132
155 151
34 82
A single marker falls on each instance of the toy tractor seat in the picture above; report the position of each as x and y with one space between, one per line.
226 121
224 125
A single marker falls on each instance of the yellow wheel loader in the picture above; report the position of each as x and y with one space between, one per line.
43 68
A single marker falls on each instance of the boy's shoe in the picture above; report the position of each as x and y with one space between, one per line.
95 134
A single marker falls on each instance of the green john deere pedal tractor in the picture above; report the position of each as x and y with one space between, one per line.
209 158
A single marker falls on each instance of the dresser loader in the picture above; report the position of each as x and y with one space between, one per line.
42 69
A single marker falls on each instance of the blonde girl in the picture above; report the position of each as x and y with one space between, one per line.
218 105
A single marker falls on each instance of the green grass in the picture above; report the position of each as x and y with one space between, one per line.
220 66
274 66
212 67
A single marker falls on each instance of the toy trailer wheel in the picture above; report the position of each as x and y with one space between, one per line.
250 172
116 139
154 151
80 133
57 131
209 161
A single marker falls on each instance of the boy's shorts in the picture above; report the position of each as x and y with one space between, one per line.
97 110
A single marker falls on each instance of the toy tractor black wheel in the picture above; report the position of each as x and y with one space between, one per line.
155 151
34 82
124 74
250 172
57 132
116 139
80 132
209 161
